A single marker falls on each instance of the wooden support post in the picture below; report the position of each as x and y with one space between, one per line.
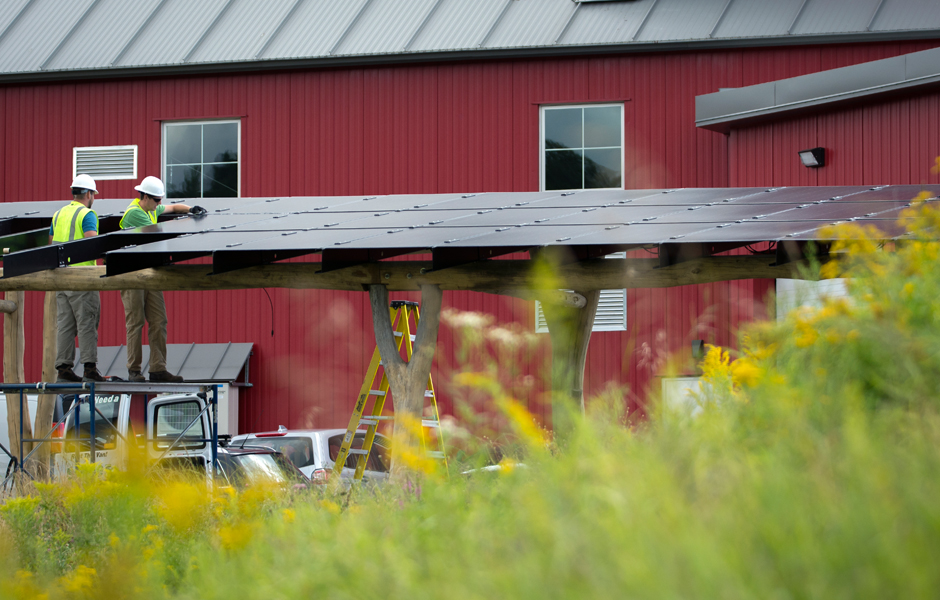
14 344
407 380
570 330
45 408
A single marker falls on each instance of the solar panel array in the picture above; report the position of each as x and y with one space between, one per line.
457 228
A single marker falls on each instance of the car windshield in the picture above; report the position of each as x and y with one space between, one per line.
298 450
244 470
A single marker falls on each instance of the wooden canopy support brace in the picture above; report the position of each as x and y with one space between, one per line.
407 380
570 330
7 307
45 407
14 345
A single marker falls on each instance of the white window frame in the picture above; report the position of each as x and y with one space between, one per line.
545 107
166 124
98 177
541 325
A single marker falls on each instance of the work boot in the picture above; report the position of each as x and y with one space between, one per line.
136 377
92 374
164 377
67 375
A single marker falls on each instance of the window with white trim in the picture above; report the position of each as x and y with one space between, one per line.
581 147
105 162
611 309
201 159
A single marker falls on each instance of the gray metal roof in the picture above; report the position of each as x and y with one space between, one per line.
721 110
244 232
84 38
204 363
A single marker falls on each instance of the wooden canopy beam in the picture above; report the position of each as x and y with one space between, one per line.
509 277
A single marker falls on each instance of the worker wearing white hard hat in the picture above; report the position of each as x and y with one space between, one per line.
148 305
77 313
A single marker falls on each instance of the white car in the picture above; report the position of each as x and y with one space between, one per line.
314 451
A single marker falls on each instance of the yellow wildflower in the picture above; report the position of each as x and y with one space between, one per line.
23 586
716 364
524 423
79 581
180 504
830 270
235 537
745 372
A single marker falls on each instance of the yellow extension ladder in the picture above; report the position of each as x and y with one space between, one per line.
400 313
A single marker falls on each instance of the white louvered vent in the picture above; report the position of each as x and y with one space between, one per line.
105 162
611 309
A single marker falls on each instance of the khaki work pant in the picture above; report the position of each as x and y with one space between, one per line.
77 313
138 306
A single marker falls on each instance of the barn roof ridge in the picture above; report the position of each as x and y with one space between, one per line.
60 39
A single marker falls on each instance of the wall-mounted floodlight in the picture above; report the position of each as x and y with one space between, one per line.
814 157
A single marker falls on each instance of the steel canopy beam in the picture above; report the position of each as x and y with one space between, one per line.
45 256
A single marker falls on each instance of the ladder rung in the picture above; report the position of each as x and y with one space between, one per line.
383 417
430 423
398 333
376 393
359 451
368 422
433 454
428 394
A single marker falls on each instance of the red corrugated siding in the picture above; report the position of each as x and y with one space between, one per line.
887 142
437 128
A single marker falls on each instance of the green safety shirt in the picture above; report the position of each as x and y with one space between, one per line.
136 216
68 224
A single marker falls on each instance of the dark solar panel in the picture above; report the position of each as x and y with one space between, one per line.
246 231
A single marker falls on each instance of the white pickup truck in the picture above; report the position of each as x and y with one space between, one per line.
171 428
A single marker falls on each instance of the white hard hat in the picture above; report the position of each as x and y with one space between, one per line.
152 187
85 182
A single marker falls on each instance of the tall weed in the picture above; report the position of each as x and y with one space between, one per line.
809 471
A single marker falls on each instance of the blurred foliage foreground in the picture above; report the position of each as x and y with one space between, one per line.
809 469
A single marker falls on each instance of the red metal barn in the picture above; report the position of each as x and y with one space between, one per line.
431 96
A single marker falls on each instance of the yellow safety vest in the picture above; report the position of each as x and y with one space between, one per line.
136 204
67 226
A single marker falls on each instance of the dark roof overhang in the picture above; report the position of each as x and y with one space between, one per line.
729 108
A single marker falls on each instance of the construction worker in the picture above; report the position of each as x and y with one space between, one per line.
77 312
149 305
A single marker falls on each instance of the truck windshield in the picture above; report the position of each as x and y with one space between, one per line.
173 420
106 416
